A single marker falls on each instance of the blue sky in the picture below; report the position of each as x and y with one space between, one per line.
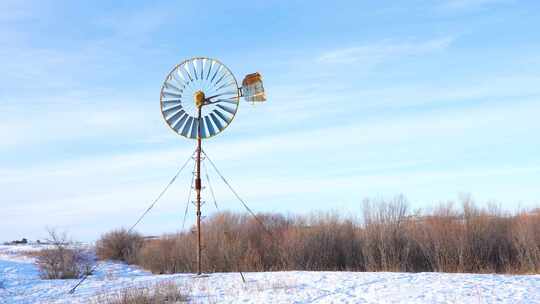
430 99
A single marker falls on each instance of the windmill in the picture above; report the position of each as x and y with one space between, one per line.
199 99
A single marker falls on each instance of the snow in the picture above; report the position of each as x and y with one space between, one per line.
21 284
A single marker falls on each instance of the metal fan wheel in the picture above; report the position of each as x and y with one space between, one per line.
220 89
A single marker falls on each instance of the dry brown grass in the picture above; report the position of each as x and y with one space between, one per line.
160 293
387 237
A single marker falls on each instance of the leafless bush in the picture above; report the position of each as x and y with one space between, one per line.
160 293
232 242
525 238
388 237
323 242
440 238
63 260
119 245
169 254
387 245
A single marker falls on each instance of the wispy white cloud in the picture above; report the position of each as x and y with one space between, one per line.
373 54
121 185
26 125
468 4
425 134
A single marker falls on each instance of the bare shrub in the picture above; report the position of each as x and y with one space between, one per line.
388 237
440 237
160 293
323 242
262 238
224 240
169 254
232 242
119 245
525 237
63 260
387 243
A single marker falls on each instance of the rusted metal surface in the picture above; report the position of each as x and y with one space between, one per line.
198 190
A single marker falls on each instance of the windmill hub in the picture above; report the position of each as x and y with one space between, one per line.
199 98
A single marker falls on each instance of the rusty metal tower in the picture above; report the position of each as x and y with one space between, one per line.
199 99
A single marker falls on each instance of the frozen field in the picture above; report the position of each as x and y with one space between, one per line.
19 283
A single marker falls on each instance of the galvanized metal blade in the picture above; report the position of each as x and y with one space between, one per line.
216 121
226 109
217 70
194 64
169 110
185 130
210 68
171 118
209 126
186 68
194 128
226 85
170 85
171 95
171 101
180 123
220 79
203 128
222 116
229 100
203 66
184 80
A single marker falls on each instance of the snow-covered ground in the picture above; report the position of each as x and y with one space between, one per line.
19 283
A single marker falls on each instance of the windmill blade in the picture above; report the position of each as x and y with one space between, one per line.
171 118
178 124
209 126
226 85
210 68
194 64
217 70
222 94
169 85
186 68
180 83
170 95
233 100
194 128
203 129
185 81
173 101
172 109
186 126
226 109
203 66
216 121
220 79
223 117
